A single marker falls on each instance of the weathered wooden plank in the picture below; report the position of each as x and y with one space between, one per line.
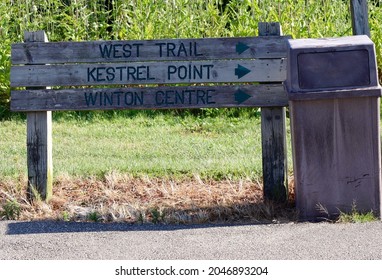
360 18
273 134
149 50
273 137
39 144
259 70
269 29
39 155
150 98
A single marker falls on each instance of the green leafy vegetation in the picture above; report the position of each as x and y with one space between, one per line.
355 216
11 210
79 20
94 217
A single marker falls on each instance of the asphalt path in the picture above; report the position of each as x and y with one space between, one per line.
291 241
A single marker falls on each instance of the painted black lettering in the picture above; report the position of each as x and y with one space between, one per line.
179 97
200 97
190 93
209 67
118 94
129 98
117 53
110 73
159 100
191 72
141 73
198 72
131 71
105 50
169 97
209 96
170 49
182 50
138 98
138 45
196 53
126 50
90 98
148 74
91 76
100 73
160 48
182 72
171 69
107 99
120 68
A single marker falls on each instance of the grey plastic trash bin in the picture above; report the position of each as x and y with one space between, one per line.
334 101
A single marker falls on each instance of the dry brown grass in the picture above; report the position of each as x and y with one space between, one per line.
120 198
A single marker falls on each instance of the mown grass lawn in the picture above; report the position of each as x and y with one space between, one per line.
161 168
159 146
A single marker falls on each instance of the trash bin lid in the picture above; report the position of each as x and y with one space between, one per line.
332 65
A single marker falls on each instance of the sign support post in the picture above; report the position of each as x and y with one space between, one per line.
39 143
273 139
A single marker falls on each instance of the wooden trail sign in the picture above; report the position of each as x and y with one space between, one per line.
148 50
149 98
148 74
174 61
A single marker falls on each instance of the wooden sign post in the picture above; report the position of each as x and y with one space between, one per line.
273 140
360 18
147 74
39 142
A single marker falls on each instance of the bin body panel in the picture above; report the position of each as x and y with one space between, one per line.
336 154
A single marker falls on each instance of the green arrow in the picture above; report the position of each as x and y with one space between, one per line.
241 71
241 47
241 96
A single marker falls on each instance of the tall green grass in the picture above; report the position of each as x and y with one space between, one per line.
149 19
78 20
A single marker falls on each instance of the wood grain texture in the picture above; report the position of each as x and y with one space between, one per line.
270 29
259 70
273 137
150 98
149 50
360 17
39 144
